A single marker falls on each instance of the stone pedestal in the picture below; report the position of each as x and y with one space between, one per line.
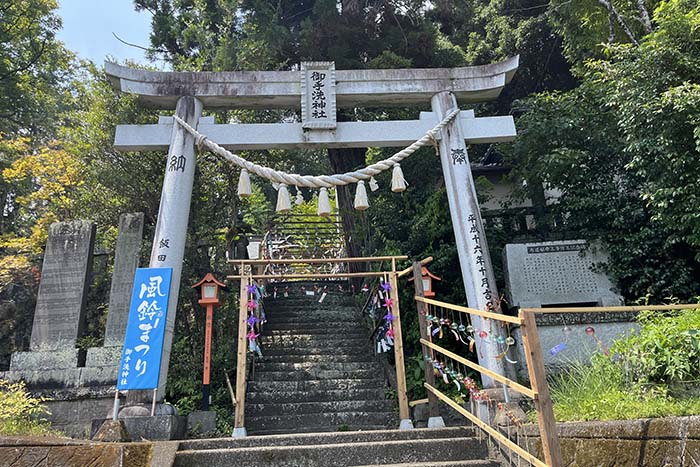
157 428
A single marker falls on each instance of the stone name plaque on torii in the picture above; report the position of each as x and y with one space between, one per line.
190 93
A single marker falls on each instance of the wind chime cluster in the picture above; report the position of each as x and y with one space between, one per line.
256 317
284 203
380 309
441 322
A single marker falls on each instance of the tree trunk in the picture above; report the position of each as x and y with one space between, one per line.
346 160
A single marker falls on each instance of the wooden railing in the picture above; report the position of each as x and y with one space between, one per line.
538 390
250 270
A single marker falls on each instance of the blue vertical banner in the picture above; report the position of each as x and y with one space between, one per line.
143 345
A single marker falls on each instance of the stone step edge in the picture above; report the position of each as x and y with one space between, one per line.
459 432
465 463
314 447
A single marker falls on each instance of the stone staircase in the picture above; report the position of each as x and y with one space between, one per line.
445 447
318 397
318 372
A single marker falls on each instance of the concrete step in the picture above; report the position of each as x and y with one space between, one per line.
333 343
318 358
315 385
348 351
304 408
337 337
321 421
316 374
338 455
471 463
314 326
336 321
321 332
307 366
327 438
318 396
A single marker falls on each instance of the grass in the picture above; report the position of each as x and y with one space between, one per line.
598 392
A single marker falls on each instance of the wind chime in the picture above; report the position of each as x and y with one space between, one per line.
380 308
256 317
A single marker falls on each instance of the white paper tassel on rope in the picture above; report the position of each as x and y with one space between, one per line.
373 185
324 204
300 198
398 183
284 204
244 184
361 202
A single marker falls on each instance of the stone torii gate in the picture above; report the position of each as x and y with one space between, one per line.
318 89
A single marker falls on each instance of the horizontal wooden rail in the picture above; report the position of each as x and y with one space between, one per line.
365 259
471 311
485 426
409 269
608 309
337 275
474 366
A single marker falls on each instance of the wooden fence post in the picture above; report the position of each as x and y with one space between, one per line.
434 420
239 430
406 423
538 382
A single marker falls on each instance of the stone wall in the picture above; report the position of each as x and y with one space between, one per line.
48 451
659 442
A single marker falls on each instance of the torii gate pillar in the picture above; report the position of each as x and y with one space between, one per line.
470 238
168 250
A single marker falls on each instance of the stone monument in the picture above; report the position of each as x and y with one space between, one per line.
556 273
102 363
79 390
562 273
60 308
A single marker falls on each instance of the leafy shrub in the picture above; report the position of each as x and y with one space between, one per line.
20 413
666 349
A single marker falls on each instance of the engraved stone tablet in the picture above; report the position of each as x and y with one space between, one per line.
318 95
551 273
60 304
126 260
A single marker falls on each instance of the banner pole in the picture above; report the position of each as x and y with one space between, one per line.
153 405
115 409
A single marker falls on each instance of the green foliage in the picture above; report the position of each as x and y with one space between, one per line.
642 376
20 413
666 349
621 150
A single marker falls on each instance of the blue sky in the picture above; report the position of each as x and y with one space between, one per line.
88 26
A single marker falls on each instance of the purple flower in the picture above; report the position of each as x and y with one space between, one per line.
386 286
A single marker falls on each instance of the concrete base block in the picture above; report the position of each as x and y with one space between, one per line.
239 432
201 422
103 356
406 424
46 379
44 360
99 376
436 422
